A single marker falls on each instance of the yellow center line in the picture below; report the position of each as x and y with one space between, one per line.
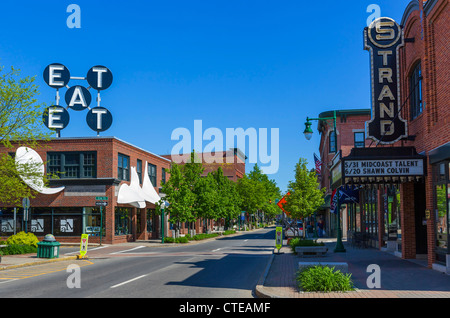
28 273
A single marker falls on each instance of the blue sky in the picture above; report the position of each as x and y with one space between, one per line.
261 64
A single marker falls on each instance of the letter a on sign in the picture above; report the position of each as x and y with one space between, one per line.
84 244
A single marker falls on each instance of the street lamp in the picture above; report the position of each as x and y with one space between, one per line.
308 134
308 131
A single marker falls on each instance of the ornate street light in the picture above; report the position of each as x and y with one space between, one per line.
308 131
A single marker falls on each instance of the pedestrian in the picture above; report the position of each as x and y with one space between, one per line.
320 225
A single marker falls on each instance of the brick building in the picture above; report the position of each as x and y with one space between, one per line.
425 86
93 167
88 168
404 196
350 133
231 161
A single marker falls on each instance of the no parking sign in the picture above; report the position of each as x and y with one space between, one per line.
279 237
84 244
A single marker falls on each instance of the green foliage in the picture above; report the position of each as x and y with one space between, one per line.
169 239
20 125
305 193
323 279
228 232
203 236
258 193
15 249
179 195
181 239
300 242
23 238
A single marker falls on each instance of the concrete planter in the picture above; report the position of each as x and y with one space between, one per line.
312 251
341 266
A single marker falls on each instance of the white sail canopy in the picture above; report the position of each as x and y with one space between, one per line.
27 156
136 196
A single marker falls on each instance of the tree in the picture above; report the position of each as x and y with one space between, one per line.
179 195
258 193
20 125
305 193
228 199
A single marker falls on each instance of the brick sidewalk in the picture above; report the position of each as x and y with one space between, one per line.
399 278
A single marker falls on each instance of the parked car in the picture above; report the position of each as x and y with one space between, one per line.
294 230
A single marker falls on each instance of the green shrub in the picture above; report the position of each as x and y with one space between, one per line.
169 240
203 236
227 232
23 238
293 243
181 239
324 279
15 249
176 240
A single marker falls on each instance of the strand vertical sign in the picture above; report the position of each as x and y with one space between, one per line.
383 38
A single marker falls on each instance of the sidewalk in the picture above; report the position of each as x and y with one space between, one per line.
399 278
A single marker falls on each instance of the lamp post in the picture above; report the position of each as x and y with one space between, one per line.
308 134
162 221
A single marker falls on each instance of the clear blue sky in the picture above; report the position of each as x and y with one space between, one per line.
260 64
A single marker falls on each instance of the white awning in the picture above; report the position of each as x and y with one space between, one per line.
25 155
136 196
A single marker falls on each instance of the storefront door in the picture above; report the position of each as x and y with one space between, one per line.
420 220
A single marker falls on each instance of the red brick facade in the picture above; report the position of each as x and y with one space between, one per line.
428 23
107 150
427 32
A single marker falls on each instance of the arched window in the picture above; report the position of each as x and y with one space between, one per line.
415 90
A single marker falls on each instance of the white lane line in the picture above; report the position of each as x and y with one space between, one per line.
128 281
132 249
89 250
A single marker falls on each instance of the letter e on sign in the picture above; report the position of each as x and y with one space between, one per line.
56 75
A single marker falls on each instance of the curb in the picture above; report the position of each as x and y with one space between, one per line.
260 292
38 262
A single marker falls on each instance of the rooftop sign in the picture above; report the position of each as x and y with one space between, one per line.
78 98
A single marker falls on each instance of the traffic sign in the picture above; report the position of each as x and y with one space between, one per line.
283 201
101 203
279 237
26 203
84 244
101 198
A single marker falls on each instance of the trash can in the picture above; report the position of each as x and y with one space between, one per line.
48 248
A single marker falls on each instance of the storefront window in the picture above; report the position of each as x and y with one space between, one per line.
7 221
92 221
122 221
67 221
441 173
442 217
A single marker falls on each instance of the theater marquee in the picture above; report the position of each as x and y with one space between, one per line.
382 39
382 165
392 167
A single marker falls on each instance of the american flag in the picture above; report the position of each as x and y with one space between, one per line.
318 164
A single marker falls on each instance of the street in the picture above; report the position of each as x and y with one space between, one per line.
228 267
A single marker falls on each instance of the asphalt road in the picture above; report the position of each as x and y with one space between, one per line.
223 268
